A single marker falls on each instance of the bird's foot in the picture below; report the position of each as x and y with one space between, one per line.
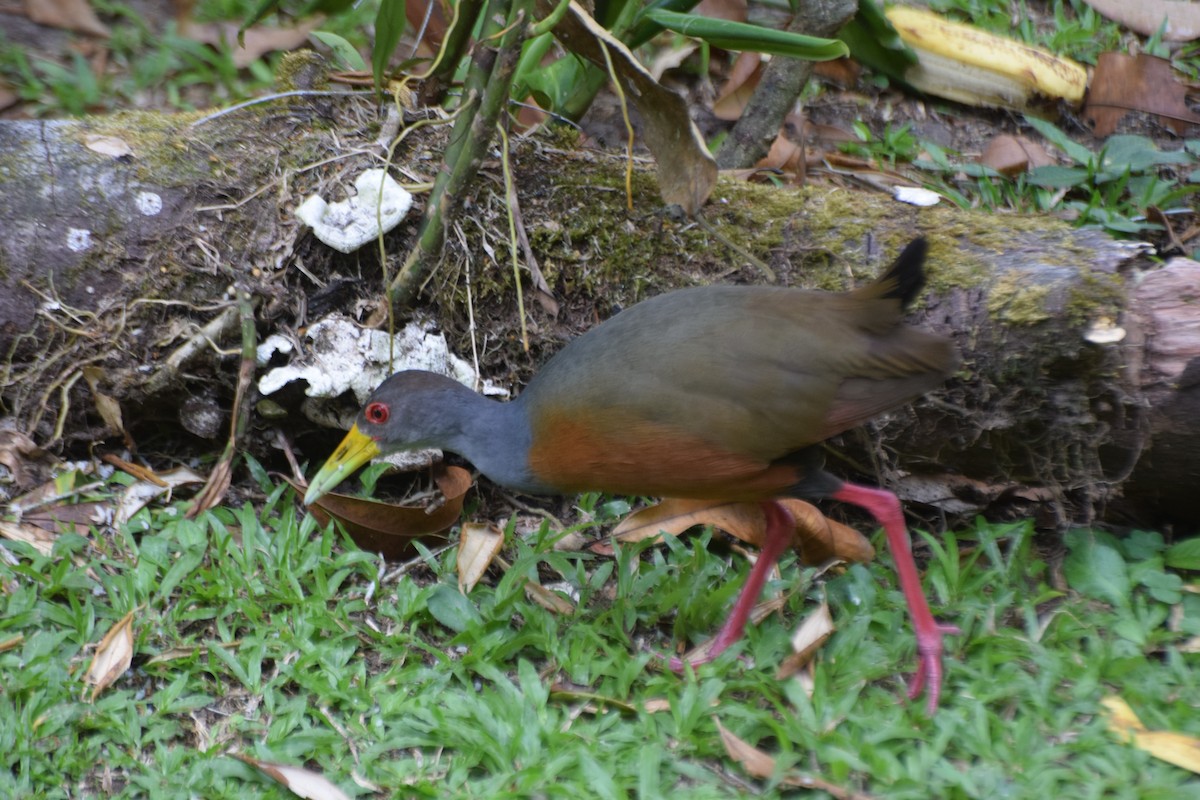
928 676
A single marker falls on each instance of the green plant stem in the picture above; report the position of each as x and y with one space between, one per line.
458 38
468 141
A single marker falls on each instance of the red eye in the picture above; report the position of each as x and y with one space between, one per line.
376 413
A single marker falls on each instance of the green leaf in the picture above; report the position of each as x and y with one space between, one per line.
1184 555
742 37
1138 154
1056 177
1075 151
451 608
257 15
389 25
873 41
343 51
1095 568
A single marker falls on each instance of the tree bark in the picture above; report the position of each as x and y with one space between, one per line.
1078 398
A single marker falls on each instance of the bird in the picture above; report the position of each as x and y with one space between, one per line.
722 392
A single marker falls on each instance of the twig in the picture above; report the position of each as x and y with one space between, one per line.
218 482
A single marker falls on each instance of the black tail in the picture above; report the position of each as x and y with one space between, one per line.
905 278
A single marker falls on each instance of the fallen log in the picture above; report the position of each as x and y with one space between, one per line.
124 237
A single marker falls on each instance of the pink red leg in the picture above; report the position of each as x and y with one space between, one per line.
885 507
779 531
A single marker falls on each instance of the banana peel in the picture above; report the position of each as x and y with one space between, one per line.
970 66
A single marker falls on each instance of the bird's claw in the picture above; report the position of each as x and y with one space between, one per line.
929 666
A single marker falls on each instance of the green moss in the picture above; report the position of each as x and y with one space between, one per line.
1094 296
1013 302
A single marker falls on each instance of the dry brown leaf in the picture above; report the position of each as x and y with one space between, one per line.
806 641
427 16
299 781
739 86
787 157
477 546
107 405
25 460
549 599
1146 17
1179 749
1011 155
71 517
41 539
391 529
818 539
12 642
675 515
113 656
256 43
761 765
1124 83
137 495
687 172
112 146
732 10
71 15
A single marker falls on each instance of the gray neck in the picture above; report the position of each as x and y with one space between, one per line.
495 437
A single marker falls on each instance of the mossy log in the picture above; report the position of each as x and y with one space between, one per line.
1078 397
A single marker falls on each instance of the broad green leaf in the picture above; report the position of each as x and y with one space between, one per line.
1056 177
1184 555
742 37
1075 151
389 25
343 51
1138 154
873 41
1095 568
449 607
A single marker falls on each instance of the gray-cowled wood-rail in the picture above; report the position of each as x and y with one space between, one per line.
716 392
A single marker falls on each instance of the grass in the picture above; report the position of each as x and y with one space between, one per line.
286 645
150 64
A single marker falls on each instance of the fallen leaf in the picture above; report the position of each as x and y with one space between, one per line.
785 156
255 43
12 642
549 599
391 529
112 146
24 459
299 781
71 517
761 765
1122 83
113 656
41 539
137 495
1011 155
71 15
818 539
806 641
1179 749
739 86
687 172
1146 17
477 546
107 405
